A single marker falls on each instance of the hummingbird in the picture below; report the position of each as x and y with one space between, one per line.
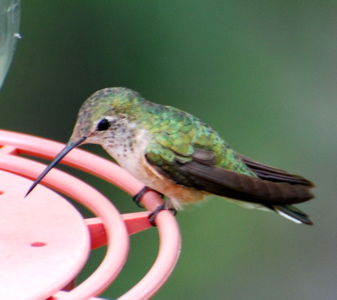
179 156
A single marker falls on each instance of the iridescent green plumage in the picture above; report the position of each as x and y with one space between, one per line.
174 133
178 138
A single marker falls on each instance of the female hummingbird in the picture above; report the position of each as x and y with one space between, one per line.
178 155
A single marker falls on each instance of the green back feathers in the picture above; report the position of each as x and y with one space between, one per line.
175 134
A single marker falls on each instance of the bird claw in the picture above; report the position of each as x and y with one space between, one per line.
152 216
138 197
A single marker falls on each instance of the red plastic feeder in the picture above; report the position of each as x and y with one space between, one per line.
45 242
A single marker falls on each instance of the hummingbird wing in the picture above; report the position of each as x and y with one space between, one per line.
270 187
273 174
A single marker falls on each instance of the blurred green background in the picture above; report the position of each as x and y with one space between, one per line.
263 73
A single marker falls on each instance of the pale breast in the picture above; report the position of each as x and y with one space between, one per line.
129 152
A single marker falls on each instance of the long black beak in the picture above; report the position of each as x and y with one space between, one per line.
63 153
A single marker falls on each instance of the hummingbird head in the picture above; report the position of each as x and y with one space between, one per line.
104 112
99 117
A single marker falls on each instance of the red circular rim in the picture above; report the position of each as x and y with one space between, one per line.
116 226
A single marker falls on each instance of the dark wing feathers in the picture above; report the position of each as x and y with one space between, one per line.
239 186
273 174
204 157
271 186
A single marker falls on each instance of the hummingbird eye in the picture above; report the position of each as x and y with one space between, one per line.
104 124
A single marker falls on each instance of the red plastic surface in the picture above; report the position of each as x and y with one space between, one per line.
42 243
110 227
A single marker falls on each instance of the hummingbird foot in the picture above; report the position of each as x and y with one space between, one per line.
138 197
166 206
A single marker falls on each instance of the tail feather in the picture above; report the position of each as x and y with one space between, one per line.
292 213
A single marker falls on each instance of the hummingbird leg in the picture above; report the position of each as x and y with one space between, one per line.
153 215
138 197
166 206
